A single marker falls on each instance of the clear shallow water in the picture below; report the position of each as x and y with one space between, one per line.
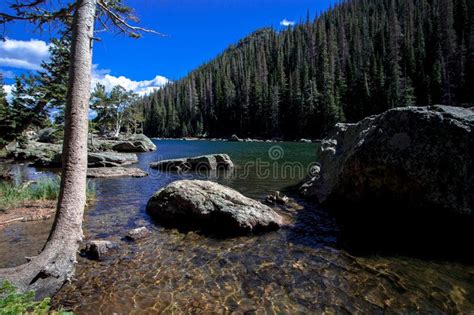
298 269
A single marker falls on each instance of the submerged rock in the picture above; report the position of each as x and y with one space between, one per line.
106 172
137 234
413 157
209 206
197 163
98 249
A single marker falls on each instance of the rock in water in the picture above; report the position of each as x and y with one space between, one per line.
107 172
98 249
135 143
197 163
110 159
137 234
234 138
209 206
415 157
43 154
277 198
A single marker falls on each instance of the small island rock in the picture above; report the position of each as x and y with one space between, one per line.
110 159
107 172
197 163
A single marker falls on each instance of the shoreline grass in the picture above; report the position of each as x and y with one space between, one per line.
12 195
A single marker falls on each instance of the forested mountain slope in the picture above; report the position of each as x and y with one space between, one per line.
359 58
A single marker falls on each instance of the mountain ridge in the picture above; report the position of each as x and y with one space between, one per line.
358 58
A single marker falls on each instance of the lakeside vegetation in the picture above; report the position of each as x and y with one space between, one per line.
12 195
13 302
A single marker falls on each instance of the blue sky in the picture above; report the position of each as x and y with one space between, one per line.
197 31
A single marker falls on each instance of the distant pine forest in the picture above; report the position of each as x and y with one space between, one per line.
359 58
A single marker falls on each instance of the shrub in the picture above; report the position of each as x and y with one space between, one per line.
12 302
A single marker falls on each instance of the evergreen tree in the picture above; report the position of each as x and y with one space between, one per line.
54 77
359 58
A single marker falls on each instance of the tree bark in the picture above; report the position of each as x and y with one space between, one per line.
47 272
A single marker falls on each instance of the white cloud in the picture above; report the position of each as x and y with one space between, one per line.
23 54
285 22
29 55
8 89
140 87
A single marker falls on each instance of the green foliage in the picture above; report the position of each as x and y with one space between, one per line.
12 302
43 189
54 77
359 58
113 108
34 97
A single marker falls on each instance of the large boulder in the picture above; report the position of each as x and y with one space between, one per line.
49 135
197 163
108 172
131 143
411 158
234 138
47 154
135 143
110 159
209 206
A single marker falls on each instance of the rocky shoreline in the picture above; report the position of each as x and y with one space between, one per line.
235 138
106 158
394 164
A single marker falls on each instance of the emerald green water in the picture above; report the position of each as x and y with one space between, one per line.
299 269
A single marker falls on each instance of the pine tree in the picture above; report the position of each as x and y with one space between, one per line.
54 75
4 111
359 58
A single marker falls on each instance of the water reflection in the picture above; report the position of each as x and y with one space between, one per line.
297 269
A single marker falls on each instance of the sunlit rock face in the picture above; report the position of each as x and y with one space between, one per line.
210 206
414 157
135 143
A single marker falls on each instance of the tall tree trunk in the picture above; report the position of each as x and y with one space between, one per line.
47 272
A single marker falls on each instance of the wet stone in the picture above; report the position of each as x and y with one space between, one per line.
98 249
137 234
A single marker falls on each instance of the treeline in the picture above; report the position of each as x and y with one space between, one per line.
359 58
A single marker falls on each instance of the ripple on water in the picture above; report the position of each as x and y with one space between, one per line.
298 269
173 272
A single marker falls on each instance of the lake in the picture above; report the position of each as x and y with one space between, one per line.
302 268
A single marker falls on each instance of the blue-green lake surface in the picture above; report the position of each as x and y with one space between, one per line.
298 269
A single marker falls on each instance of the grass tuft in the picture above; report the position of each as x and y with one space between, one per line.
44 189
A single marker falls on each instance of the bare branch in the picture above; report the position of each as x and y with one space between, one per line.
122 24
